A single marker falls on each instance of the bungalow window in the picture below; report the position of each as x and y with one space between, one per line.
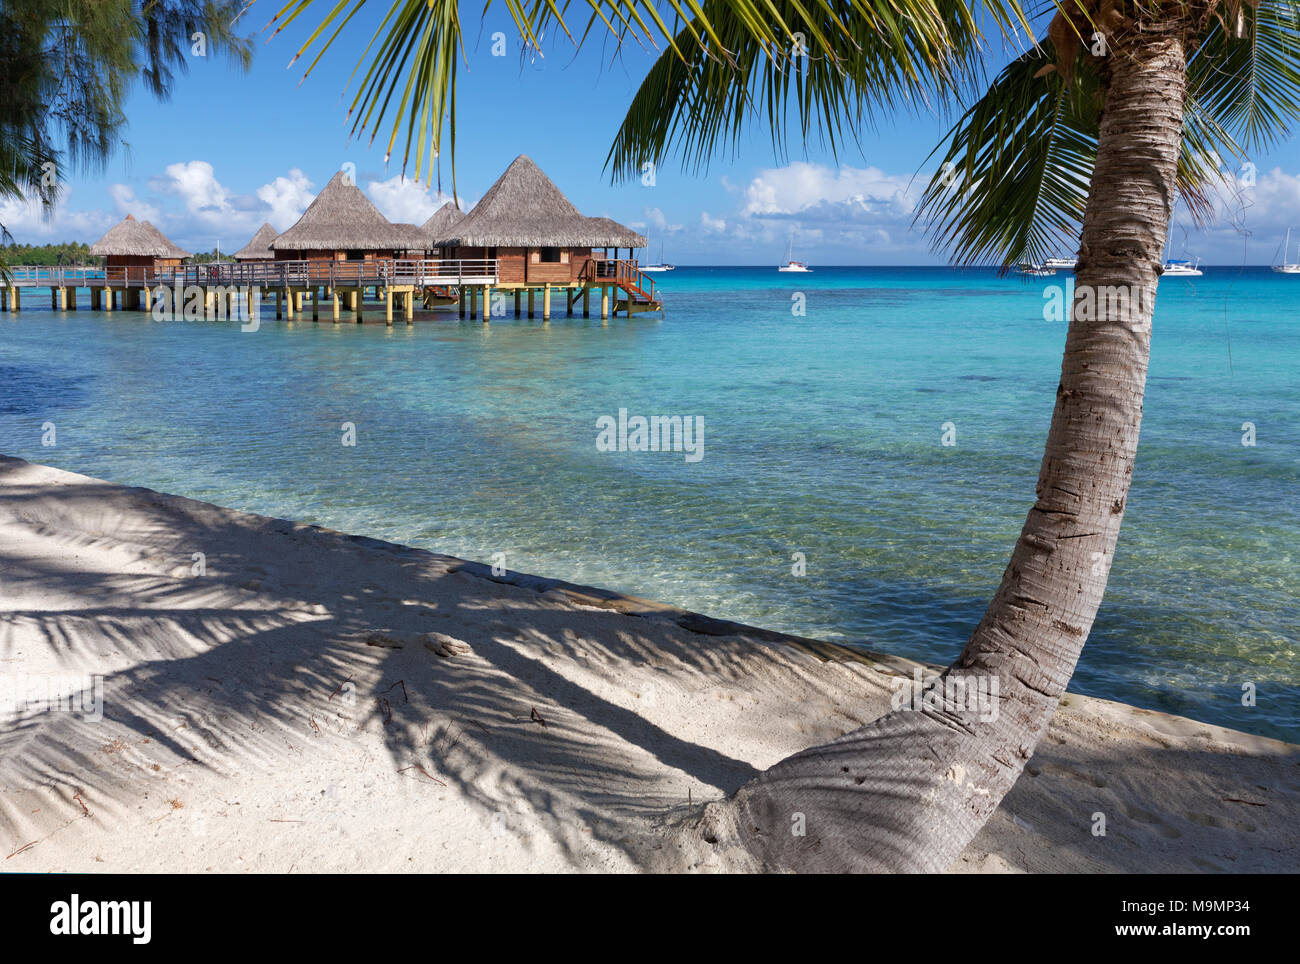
550 255
355 256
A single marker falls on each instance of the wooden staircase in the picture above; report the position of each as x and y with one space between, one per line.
638 289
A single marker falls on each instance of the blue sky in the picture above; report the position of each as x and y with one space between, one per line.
231 150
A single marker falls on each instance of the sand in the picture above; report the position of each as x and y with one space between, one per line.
314 701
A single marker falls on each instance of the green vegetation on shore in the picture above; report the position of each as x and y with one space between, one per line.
65 252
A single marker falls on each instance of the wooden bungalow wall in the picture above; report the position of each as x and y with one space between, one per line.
525 265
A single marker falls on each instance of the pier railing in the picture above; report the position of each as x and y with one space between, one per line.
426 272
622 272
61 276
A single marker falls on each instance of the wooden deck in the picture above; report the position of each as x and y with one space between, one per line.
266 274
619 284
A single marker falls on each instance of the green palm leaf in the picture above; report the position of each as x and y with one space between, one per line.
859 53
699 101
1250 85
1013 182
1014 179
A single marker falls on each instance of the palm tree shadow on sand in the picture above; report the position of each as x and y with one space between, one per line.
275 646
565 717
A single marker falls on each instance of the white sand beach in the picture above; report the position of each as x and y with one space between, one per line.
322 702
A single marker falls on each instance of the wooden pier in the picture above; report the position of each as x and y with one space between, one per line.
398 284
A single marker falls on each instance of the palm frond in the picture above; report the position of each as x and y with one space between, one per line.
699 101
1250 85
1013 182
852 55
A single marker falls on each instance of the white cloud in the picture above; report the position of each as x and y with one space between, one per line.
28 222
197 186
1268 200
126 202
802 187
712 225
405 200
286 198
657 221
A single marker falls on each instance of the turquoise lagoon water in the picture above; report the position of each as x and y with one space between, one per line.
822 436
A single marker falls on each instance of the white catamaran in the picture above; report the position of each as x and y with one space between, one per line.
1183 269
1179 267
790 263
1286 267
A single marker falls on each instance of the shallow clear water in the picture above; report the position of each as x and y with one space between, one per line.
822 436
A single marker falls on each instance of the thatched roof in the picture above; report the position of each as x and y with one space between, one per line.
410 237
439 227
259 246
524 209
138 239
608 233
341 218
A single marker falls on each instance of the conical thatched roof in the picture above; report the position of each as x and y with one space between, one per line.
342 218
138 239
524 209
439 227
259 246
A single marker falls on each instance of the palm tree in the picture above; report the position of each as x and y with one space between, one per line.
1090 136
67 67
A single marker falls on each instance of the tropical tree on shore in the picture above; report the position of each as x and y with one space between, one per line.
1088 137
67 67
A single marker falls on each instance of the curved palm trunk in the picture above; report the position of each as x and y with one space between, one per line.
909 791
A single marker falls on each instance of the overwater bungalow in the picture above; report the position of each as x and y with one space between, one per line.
136 244
259 246
135 253
534 233
341 224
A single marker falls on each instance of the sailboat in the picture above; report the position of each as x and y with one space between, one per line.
660 266
790 263
1287 267
1180 267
